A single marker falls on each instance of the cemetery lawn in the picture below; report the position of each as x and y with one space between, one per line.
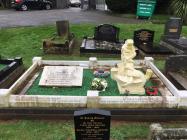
27 41
64 130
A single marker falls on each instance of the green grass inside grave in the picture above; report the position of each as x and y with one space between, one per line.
111 90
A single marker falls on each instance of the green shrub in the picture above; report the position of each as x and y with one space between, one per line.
179 8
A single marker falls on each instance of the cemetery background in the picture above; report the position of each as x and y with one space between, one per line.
27 42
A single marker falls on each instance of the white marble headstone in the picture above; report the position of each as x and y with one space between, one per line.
61 76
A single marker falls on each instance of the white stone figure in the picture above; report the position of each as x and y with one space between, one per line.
129 80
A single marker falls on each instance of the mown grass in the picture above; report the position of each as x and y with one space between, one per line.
64 130
27 41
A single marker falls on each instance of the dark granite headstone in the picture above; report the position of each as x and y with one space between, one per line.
107 32
173 28
144 40
92 124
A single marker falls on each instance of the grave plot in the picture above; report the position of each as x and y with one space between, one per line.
62 43
172 37
26 92
105 40
144 41
176 71
10 70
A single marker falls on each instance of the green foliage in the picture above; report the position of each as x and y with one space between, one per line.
179 8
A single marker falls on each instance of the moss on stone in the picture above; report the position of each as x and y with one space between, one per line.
59 40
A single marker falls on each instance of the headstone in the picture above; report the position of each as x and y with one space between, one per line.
62 43
173 28
143 38
107 32
62 28
92 124
60 76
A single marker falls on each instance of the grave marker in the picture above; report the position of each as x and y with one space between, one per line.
92 124
107 32
143 38
61 76
173 28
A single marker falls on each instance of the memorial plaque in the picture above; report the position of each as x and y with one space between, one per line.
61 76
92 124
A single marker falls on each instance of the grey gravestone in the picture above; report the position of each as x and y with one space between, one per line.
171 38
173 28
62 28
92 124
107 32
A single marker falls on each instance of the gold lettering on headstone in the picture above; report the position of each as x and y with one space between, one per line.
174 30
144 35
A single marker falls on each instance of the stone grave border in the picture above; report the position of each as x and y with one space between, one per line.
173 99
11 72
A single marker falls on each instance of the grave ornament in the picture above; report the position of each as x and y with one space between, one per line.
129 80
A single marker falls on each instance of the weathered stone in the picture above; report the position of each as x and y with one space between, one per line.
61 44
159 133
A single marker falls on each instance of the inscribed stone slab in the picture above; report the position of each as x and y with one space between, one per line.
60 76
